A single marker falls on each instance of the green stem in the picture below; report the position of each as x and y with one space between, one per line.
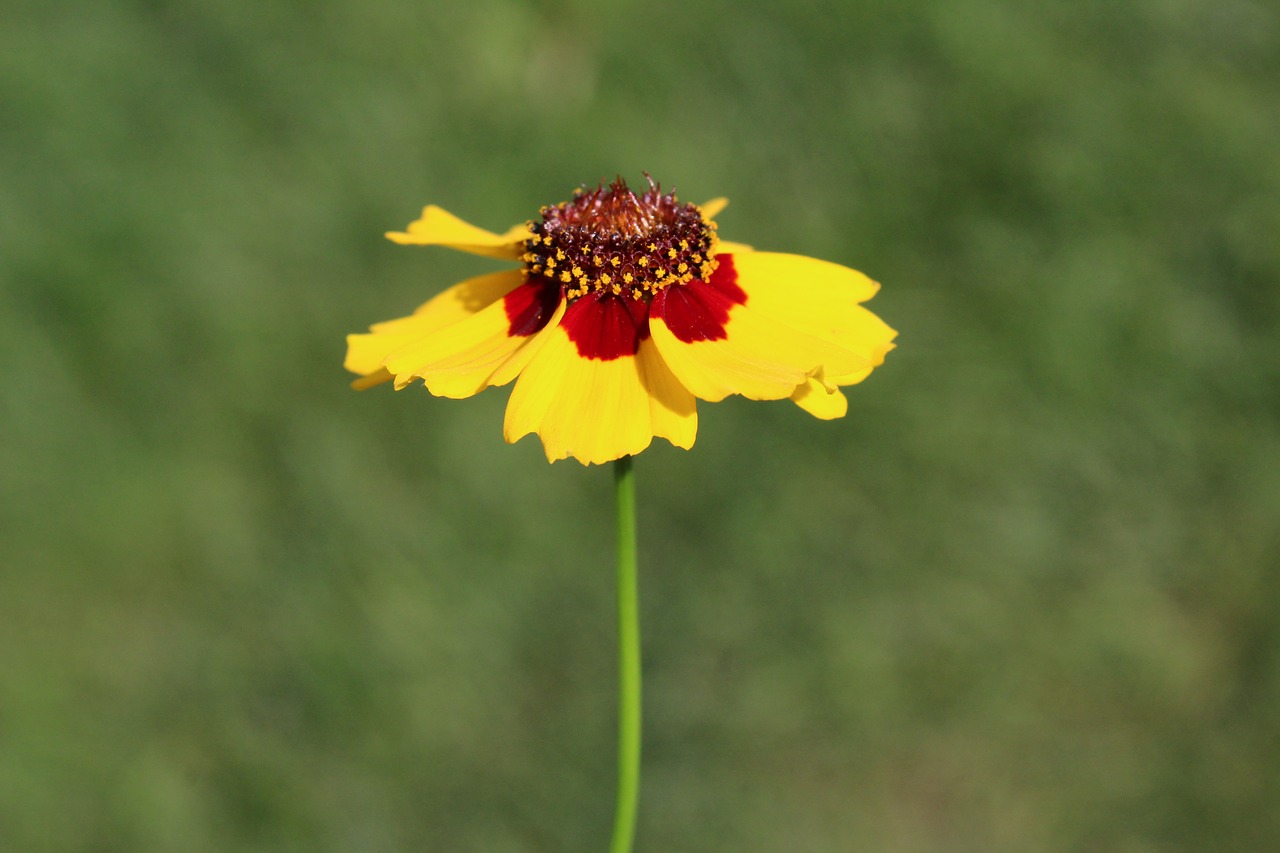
624 820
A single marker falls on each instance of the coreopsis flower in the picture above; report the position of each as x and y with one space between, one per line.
626 309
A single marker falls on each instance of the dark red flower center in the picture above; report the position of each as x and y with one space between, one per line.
611 241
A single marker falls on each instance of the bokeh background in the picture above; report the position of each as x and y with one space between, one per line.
1023 598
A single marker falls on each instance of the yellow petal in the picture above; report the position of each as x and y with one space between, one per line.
466 298
598 410
366 353
462 359
802 285
858 375
821 402
710 209
716 344
512 367
819 299
672 409
438 227
726 247
378 377
712 370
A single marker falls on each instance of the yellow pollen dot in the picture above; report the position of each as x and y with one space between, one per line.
628 277
653 247
684 245
683 267
671 253
643 261
577 272
559 254
615 260
551 263
565 277
606 278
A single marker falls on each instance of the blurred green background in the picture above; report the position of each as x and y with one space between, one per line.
1024 598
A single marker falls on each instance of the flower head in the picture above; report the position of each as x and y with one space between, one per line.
626 309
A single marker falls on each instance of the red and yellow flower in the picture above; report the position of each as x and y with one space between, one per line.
625 311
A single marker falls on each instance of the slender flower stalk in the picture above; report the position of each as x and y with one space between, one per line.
624 821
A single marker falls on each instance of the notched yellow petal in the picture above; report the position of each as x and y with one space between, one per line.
366 353
515 365
821 300
673 411
462 359
759 357
597 411
439 227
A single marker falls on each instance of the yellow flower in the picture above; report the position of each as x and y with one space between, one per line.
627 309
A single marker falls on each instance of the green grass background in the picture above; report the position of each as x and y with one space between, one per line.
1023 598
